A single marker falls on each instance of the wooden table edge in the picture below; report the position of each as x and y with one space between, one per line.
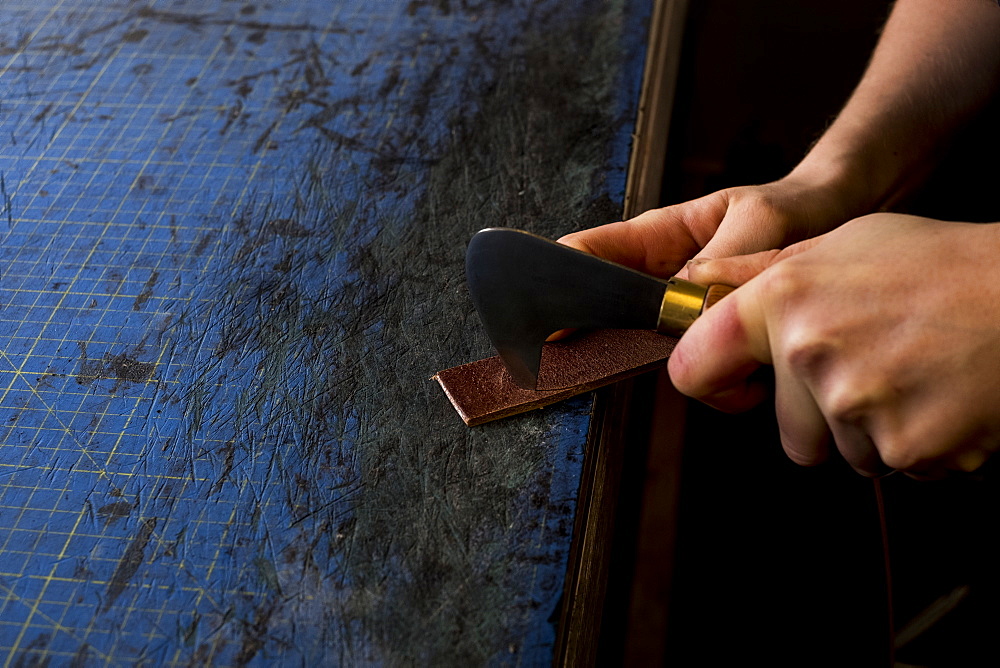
579 632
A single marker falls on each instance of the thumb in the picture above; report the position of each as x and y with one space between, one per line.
739 269
733 271
738 234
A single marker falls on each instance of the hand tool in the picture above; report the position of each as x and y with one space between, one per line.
526 287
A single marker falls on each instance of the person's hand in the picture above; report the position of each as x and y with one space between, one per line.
734 221
884 335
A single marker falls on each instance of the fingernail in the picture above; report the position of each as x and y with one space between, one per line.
693 267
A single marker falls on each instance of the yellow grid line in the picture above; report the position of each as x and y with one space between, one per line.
109 474
54 624
110 224
181 106
41 596
164 588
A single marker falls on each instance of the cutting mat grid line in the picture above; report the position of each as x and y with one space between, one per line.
192 466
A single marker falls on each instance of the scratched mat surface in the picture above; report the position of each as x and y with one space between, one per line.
232 241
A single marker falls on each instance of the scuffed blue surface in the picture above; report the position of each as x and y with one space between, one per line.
231 257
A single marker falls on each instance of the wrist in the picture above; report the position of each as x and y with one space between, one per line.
846 183
825 194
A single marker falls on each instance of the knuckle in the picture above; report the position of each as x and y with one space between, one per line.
867 218
815 353
898 454
970 461
851 399
758 218
755 203
843 405
809 353
783 282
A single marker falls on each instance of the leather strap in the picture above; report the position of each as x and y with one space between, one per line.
483 391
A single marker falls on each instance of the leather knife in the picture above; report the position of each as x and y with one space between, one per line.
526 287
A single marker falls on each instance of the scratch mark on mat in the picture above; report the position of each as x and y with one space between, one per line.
129 564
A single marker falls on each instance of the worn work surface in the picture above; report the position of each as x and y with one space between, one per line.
232 245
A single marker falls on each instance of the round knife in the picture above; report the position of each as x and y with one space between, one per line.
526 287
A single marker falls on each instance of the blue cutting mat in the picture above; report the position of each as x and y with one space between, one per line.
232 239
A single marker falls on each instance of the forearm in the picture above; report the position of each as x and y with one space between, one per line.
936 64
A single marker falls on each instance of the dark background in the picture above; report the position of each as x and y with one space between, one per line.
775 562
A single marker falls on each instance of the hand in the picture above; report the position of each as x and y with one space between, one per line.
734 221
884 335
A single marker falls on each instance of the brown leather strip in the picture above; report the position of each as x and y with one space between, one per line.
483 391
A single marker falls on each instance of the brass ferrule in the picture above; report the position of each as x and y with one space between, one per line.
683 302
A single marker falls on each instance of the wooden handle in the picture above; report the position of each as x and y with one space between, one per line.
714 294
684 301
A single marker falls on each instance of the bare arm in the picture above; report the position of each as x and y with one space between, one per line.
936 64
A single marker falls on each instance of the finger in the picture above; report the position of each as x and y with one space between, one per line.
657 242
741 396
804 433
739 269
714 360
858 449
926 446
744 229
736 236
969 461
733 271
961 465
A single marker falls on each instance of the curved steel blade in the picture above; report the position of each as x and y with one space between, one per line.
526 287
